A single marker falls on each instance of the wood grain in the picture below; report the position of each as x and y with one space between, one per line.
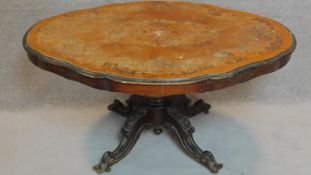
159 48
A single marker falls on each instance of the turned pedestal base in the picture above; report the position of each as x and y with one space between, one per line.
158 113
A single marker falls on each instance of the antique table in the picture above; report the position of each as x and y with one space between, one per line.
159 51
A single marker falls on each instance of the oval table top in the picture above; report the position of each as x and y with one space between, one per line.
159 48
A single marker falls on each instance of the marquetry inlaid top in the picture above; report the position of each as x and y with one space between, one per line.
159 40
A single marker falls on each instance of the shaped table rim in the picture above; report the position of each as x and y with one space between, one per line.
156 81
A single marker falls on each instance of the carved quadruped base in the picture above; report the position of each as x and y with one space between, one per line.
158 113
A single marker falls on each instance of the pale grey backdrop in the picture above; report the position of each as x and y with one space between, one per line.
52 126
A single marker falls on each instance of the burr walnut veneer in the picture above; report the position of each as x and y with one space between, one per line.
158 51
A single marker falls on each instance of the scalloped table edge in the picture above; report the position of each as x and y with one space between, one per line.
159 87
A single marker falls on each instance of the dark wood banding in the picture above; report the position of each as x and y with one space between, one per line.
154 90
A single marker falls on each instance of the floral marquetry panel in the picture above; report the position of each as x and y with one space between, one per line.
158 48
159 39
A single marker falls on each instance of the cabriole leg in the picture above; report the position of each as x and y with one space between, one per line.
183 129
130 131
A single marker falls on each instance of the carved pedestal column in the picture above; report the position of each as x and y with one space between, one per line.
158 113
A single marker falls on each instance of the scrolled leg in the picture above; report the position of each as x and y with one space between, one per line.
130 131
118 107
197 108
105 163
183 129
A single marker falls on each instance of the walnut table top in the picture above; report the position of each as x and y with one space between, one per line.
159 48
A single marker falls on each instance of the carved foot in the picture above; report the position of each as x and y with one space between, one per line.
208 160
118 107
183 129
197 108
105 163
157 131
130 131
